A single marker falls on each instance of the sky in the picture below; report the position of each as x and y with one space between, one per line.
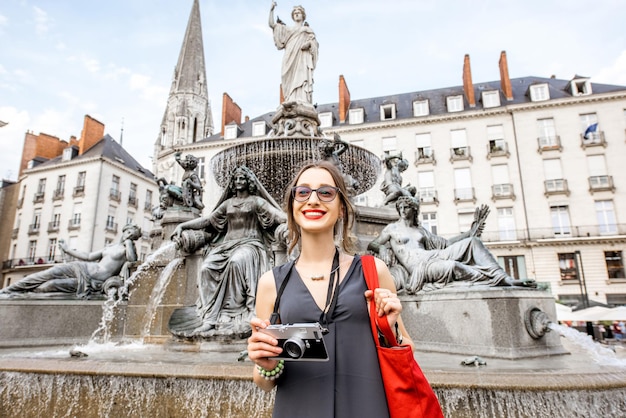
114 60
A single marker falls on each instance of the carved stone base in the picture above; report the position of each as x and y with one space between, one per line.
296 119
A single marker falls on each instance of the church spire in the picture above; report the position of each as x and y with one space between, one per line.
187 117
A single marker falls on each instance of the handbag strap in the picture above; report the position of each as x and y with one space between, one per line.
378 323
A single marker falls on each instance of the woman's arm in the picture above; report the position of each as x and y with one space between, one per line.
261 345
387 302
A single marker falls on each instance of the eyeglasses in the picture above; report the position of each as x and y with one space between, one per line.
324 193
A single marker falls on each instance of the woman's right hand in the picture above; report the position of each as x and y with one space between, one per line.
262 345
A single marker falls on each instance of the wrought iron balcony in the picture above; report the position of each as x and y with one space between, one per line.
556 186
549 143
601 183
460 153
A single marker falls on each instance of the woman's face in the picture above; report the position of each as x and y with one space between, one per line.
240 181
314 215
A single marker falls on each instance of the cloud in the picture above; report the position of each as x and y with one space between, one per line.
614 73
42 21
3 20
11 134
148 91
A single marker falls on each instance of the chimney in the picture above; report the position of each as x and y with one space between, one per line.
93 131
344 99
468 86
231 112
505 81
42 146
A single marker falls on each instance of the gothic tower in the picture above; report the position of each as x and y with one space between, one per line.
187 118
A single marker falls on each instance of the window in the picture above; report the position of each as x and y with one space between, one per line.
389 144
589 129
465 220
148 202
115 188
41 187
614 264
581 87
231 131
454 103
546 132
567 265
259 128
110 224
80 183
421 108
491 99
458 143
605 214
495 136
506 224
56 218
560 220
58 191
68 153
130 218
424 147
463 184
326 119
429 222
75 221
52 249
502 187
201 168
388 112
426 184
515 266
539 92
554 182
32 250
132 195
36 224
355 116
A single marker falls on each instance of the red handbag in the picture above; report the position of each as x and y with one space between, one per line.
409 394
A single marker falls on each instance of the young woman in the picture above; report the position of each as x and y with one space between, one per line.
349 384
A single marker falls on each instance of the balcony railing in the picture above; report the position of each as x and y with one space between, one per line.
20 202
39 197
53 226
58 194
549 143
428 195
79 191
33 229
111 227
601 183
14 233
147 206
534 234
73 224
115 194
594 139
464 195
132 201
425 155
498 149
460 153
556 186
502 191
31 261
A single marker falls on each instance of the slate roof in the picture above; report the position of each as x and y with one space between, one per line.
109 149
437 101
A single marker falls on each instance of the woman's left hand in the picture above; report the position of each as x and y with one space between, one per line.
387 303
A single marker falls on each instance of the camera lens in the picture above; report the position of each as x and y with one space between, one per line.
294 347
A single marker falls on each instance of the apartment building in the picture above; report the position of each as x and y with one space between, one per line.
84 196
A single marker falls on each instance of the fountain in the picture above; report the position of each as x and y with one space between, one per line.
131 364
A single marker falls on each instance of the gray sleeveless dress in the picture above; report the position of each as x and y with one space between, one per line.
349 384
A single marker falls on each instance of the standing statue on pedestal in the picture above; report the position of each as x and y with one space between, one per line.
240 231
301 52
87 277
330 150
392 183
424 261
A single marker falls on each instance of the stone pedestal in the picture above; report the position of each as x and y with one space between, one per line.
482 321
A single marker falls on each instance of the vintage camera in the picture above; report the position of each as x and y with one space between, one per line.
304 342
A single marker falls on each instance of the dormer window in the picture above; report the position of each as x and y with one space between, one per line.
421 108
258 128
355 116
539 92
231 131
326 119
388 112
491 99
580 87
454 103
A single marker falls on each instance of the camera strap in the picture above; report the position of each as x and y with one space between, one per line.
331 296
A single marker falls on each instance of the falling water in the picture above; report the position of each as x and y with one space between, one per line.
103 333
157 294
599 353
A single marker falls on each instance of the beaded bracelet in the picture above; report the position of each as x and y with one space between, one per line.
274 373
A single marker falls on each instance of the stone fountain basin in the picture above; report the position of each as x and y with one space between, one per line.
196 380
